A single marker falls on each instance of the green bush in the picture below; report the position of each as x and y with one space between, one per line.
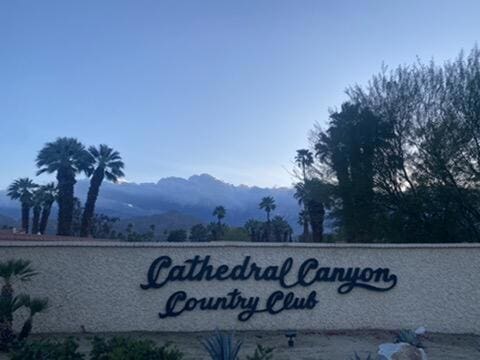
120 348
47 350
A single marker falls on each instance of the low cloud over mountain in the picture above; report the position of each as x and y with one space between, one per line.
196 197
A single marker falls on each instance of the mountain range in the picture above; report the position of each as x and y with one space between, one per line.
182 201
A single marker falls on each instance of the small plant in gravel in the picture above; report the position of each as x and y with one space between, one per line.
47 350
121 348
222 346
261 353
358 357
409 337
11 271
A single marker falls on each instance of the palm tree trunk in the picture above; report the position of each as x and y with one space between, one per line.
305 229
88 212
25 217
44 217
316 211
36 219
66 183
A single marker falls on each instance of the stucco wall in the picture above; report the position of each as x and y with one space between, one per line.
96 286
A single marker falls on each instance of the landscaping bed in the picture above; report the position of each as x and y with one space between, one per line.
312 345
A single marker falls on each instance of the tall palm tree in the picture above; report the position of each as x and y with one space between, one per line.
304 160
37 202
66 157
303 214
107 164
219 212
50 193
22 189
268 204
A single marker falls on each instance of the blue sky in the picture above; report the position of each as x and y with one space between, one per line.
231 88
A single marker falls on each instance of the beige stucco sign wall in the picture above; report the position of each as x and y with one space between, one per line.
96 286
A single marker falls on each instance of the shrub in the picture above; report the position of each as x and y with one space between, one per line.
47 350
120 348
261 353
222 346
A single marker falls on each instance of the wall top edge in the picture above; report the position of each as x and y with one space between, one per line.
6 243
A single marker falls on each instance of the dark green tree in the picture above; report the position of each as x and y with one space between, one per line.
282 231
198 233
348 146
66 157
179 235
107 164
255 229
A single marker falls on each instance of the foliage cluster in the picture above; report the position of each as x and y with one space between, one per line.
66 157
400 160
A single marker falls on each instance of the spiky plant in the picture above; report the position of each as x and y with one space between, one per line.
261 353
222 346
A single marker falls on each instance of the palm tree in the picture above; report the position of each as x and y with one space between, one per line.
12 270
254 229
282 231
35 306
304 160
22 189
66 157
219 212
108 164
50 193
303 220
303 214
37 202
317 196
268 204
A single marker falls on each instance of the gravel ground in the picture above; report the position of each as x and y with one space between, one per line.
338 345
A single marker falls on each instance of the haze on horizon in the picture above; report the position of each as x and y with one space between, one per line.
181 88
